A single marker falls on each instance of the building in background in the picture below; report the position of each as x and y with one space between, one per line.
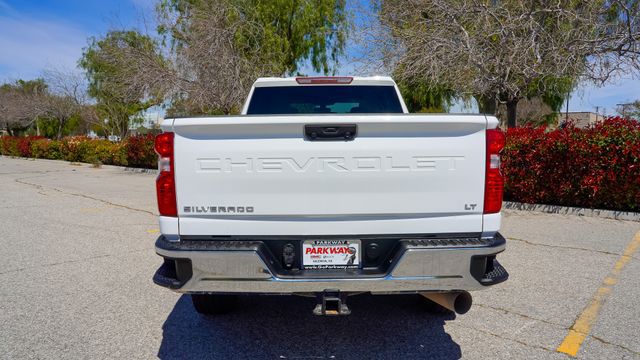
581 119
146 122
529 112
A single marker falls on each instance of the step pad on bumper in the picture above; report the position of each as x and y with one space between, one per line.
487 270
173 273
495 276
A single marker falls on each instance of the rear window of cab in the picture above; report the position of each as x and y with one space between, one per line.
329 99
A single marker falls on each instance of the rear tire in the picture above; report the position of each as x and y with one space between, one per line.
208 304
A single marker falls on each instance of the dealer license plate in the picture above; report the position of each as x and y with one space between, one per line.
331 254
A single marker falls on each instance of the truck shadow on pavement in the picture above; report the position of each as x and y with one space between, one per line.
283 327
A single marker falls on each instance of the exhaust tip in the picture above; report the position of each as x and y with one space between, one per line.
462 303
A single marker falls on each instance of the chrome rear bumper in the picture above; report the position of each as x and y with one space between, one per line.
244 267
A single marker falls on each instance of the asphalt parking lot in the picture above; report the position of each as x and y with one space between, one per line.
77 261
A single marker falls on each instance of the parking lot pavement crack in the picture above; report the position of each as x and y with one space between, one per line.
581 327
614 344
506 311
504 338
553 324
35 172
42 187
71 261
568 247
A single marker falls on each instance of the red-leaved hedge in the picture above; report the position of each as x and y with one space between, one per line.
134 151
140 151
596 167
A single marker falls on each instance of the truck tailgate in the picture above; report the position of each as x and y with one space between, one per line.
250 175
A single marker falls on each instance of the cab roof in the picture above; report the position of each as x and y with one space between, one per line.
323 80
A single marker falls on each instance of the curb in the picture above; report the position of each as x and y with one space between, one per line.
138 170
115 167
126 169
566 210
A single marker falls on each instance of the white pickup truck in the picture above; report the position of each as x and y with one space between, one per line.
328 187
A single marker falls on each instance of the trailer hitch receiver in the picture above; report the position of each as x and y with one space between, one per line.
331 303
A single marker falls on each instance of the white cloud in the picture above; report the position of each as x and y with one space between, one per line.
30 45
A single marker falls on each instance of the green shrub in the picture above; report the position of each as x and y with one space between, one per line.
18 146
103 152
83 149
9 146
74 147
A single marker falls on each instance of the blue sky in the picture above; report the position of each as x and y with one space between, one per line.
39 34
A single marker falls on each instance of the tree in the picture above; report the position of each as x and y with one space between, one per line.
282 33
21 104
420 97
111 66
216 49
54 104
213 70
299 30
63 104
507 50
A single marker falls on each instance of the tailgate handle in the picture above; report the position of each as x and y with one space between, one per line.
342 132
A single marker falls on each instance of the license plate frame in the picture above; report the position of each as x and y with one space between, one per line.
331 254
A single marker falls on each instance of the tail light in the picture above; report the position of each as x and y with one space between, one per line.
165 183
493 181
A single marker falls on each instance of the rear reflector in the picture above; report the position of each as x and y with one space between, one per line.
494 181
325 80
165 182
